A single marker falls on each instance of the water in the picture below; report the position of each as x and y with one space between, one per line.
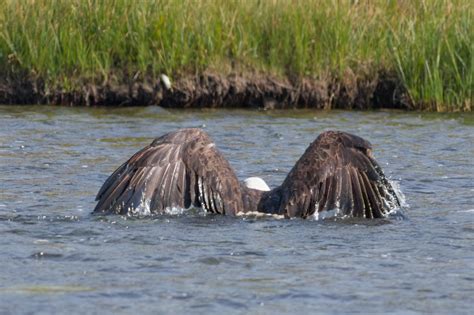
57 258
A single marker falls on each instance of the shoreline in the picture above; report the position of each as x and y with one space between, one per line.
264 54
212 90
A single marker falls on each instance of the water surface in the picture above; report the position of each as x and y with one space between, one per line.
57 258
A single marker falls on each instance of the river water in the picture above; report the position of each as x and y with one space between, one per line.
58 258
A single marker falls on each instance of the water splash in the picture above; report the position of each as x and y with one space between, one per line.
174 210
142 209
400 195
330 214
257 214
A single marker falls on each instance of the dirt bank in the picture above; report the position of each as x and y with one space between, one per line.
381 90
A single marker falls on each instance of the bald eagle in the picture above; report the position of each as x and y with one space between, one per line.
184 169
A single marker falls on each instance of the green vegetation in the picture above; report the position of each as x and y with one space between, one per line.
429 44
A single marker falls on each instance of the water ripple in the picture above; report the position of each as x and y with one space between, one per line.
55 255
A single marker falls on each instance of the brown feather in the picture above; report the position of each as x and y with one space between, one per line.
167 172
184 169
359 206
339 171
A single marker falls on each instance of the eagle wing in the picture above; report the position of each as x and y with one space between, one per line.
180 169
337 172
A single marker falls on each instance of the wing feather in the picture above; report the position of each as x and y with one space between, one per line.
346 202
359 205
340 174
179 169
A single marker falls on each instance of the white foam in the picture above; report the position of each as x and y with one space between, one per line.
142 209
259 214
325 214
399 193
174 210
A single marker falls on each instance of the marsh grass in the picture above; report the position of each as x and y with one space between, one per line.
428 44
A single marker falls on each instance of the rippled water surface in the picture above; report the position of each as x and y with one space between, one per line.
57 258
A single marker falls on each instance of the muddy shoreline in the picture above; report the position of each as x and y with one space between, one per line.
211 90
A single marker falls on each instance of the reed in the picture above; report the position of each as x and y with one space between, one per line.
429 44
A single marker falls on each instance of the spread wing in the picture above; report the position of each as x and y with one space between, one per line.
337 172
180 169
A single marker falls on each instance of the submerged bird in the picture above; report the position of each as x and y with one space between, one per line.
184 169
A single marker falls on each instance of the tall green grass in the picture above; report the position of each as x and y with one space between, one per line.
429 44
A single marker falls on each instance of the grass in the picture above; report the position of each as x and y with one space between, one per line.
428 43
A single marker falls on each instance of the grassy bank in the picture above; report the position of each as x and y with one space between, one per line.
428 45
